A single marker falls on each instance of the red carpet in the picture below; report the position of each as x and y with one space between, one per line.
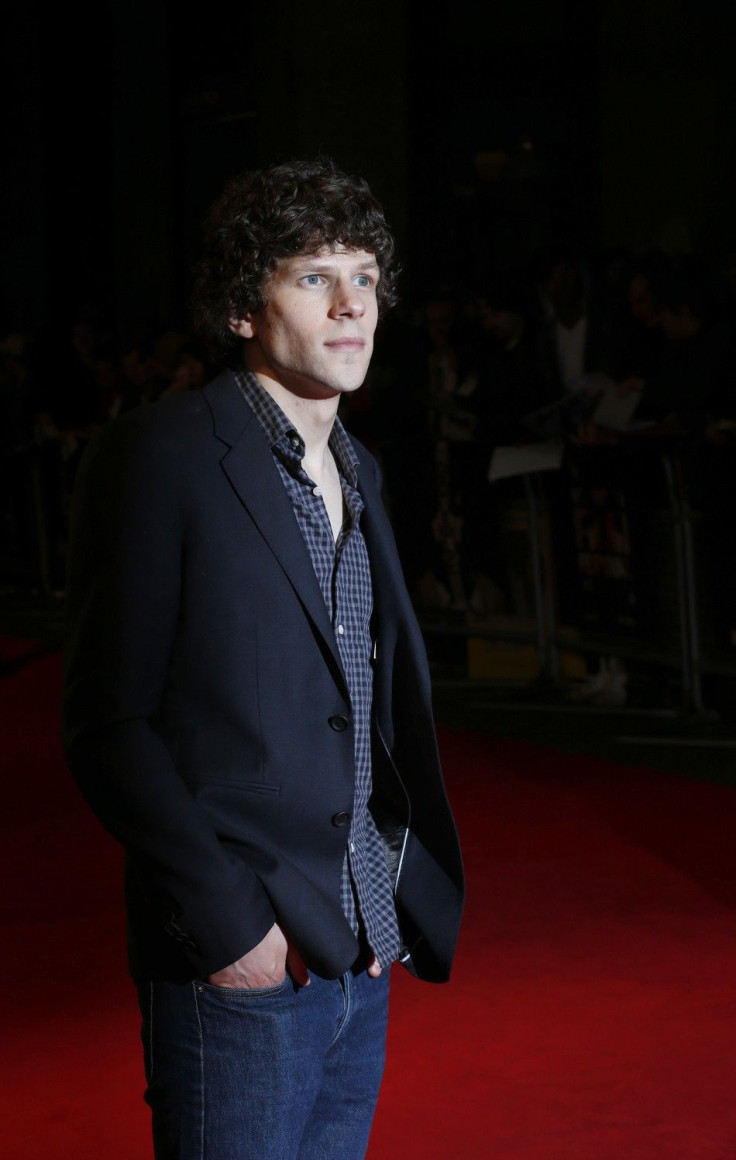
593 1008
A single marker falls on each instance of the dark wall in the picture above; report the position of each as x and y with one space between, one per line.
22 216
126 124
504 133
484 132
142 193
668 101
55 203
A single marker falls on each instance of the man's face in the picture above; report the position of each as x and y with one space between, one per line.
314 336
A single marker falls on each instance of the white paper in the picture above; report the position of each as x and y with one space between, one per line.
615 411
524 459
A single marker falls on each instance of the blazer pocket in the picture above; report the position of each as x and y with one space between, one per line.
266 787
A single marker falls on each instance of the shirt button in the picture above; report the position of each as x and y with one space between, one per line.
338 723
295 441
352 847
317 491
341 629
340 819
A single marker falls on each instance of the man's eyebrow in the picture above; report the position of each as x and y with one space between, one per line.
325 264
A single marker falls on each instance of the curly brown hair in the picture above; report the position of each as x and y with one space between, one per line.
295 208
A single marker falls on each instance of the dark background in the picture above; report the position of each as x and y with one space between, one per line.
485 131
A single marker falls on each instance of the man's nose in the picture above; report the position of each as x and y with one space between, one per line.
347 300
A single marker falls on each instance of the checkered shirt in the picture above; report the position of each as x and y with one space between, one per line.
343 572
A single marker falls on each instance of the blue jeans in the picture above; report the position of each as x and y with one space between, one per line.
278 1073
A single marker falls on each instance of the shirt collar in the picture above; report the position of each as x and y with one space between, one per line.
283 436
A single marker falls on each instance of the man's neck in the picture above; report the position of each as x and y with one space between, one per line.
313 418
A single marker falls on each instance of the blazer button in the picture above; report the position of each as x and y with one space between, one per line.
337 723
340 819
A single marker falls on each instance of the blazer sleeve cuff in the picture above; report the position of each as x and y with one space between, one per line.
219 928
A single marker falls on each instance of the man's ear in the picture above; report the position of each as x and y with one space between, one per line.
244 327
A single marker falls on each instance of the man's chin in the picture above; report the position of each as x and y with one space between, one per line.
336 384
352 385
323 391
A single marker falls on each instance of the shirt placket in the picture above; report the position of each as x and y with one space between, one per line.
345 648
357 852
343 576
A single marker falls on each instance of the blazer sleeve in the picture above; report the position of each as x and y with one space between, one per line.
123 605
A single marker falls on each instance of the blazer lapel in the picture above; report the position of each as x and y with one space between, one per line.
250 467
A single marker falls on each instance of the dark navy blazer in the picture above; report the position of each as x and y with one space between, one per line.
206 714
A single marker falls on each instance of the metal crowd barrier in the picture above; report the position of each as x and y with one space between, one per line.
36 486
682 654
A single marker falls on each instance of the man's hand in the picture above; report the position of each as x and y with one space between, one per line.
374 967
264 966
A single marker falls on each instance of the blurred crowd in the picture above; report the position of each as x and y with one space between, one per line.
56 391
612 358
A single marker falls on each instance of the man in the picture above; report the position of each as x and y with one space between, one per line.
247 698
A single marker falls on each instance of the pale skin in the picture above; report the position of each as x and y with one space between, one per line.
309 345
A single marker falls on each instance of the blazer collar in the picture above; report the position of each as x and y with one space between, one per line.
249 465
230 412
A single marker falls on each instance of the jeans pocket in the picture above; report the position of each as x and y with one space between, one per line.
243 994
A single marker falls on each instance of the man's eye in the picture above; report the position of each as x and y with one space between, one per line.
363 280
311 279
